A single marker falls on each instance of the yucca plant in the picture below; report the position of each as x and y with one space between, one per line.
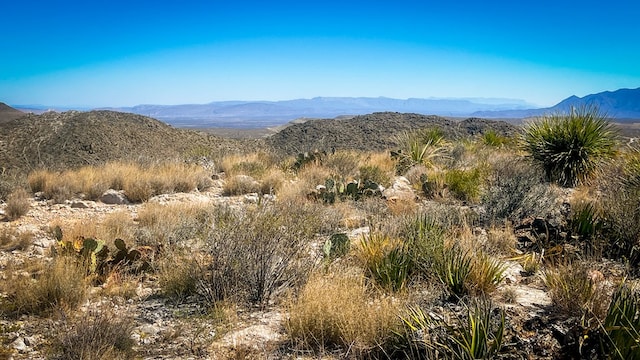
481 335
387 261
622 324
570 147
454 269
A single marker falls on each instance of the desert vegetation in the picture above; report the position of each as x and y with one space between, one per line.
517 244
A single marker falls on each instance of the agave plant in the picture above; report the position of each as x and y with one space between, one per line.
570 147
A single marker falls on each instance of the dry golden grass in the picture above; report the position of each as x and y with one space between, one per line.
140 182
272 180
501 240
344 164
240 185
167 224
18 204
119 284
59 283
179 275
76 229
254 164
337 311
575 290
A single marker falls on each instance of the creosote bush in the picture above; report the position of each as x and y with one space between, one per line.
570 147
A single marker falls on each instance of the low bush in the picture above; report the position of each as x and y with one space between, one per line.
464 184
12 239
240 185
516 190
256 252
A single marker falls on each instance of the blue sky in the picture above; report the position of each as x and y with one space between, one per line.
117 53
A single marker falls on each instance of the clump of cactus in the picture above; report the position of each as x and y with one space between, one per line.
336 246
95 254
336 189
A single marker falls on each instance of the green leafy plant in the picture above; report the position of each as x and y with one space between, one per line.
464 184
570 147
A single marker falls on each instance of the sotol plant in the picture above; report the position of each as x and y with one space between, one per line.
570 147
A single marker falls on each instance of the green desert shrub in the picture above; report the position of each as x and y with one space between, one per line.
464 184
570 147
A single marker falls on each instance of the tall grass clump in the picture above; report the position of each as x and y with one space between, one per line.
338 312
18 204
570 147
60 283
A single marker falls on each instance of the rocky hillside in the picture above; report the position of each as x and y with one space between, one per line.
7 113
70 139
374 131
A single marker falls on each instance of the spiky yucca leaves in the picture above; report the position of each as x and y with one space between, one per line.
622 324
570 147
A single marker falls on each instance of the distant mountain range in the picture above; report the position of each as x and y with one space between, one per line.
258 114
620 104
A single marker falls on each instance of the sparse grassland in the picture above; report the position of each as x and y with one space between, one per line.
444 268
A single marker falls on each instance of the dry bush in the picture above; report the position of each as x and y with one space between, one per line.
240 185
77 229
416 174
59 283
337 312
39 179
312 175
18 204
12 239
256 252
500 240
379 168
272 181
174 223
98 335
120 284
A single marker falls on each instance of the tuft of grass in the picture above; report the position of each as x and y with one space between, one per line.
173 223
98 335
18 204
574 291
179 275
386 260
240 185
486 274
336 312
60 283
570 147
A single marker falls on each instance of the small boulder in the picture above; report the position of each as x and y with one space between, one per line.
114 197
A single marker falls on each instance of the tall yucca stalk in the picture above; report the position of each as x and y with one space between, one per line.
570 147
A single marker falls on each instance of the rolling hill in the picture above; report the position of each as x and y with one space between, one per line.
373 131
72 139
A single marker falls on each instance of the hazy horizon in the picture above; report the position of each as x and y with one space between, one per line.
118 54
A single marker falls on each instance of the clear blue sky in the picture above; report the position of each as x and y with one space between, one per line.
122 53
